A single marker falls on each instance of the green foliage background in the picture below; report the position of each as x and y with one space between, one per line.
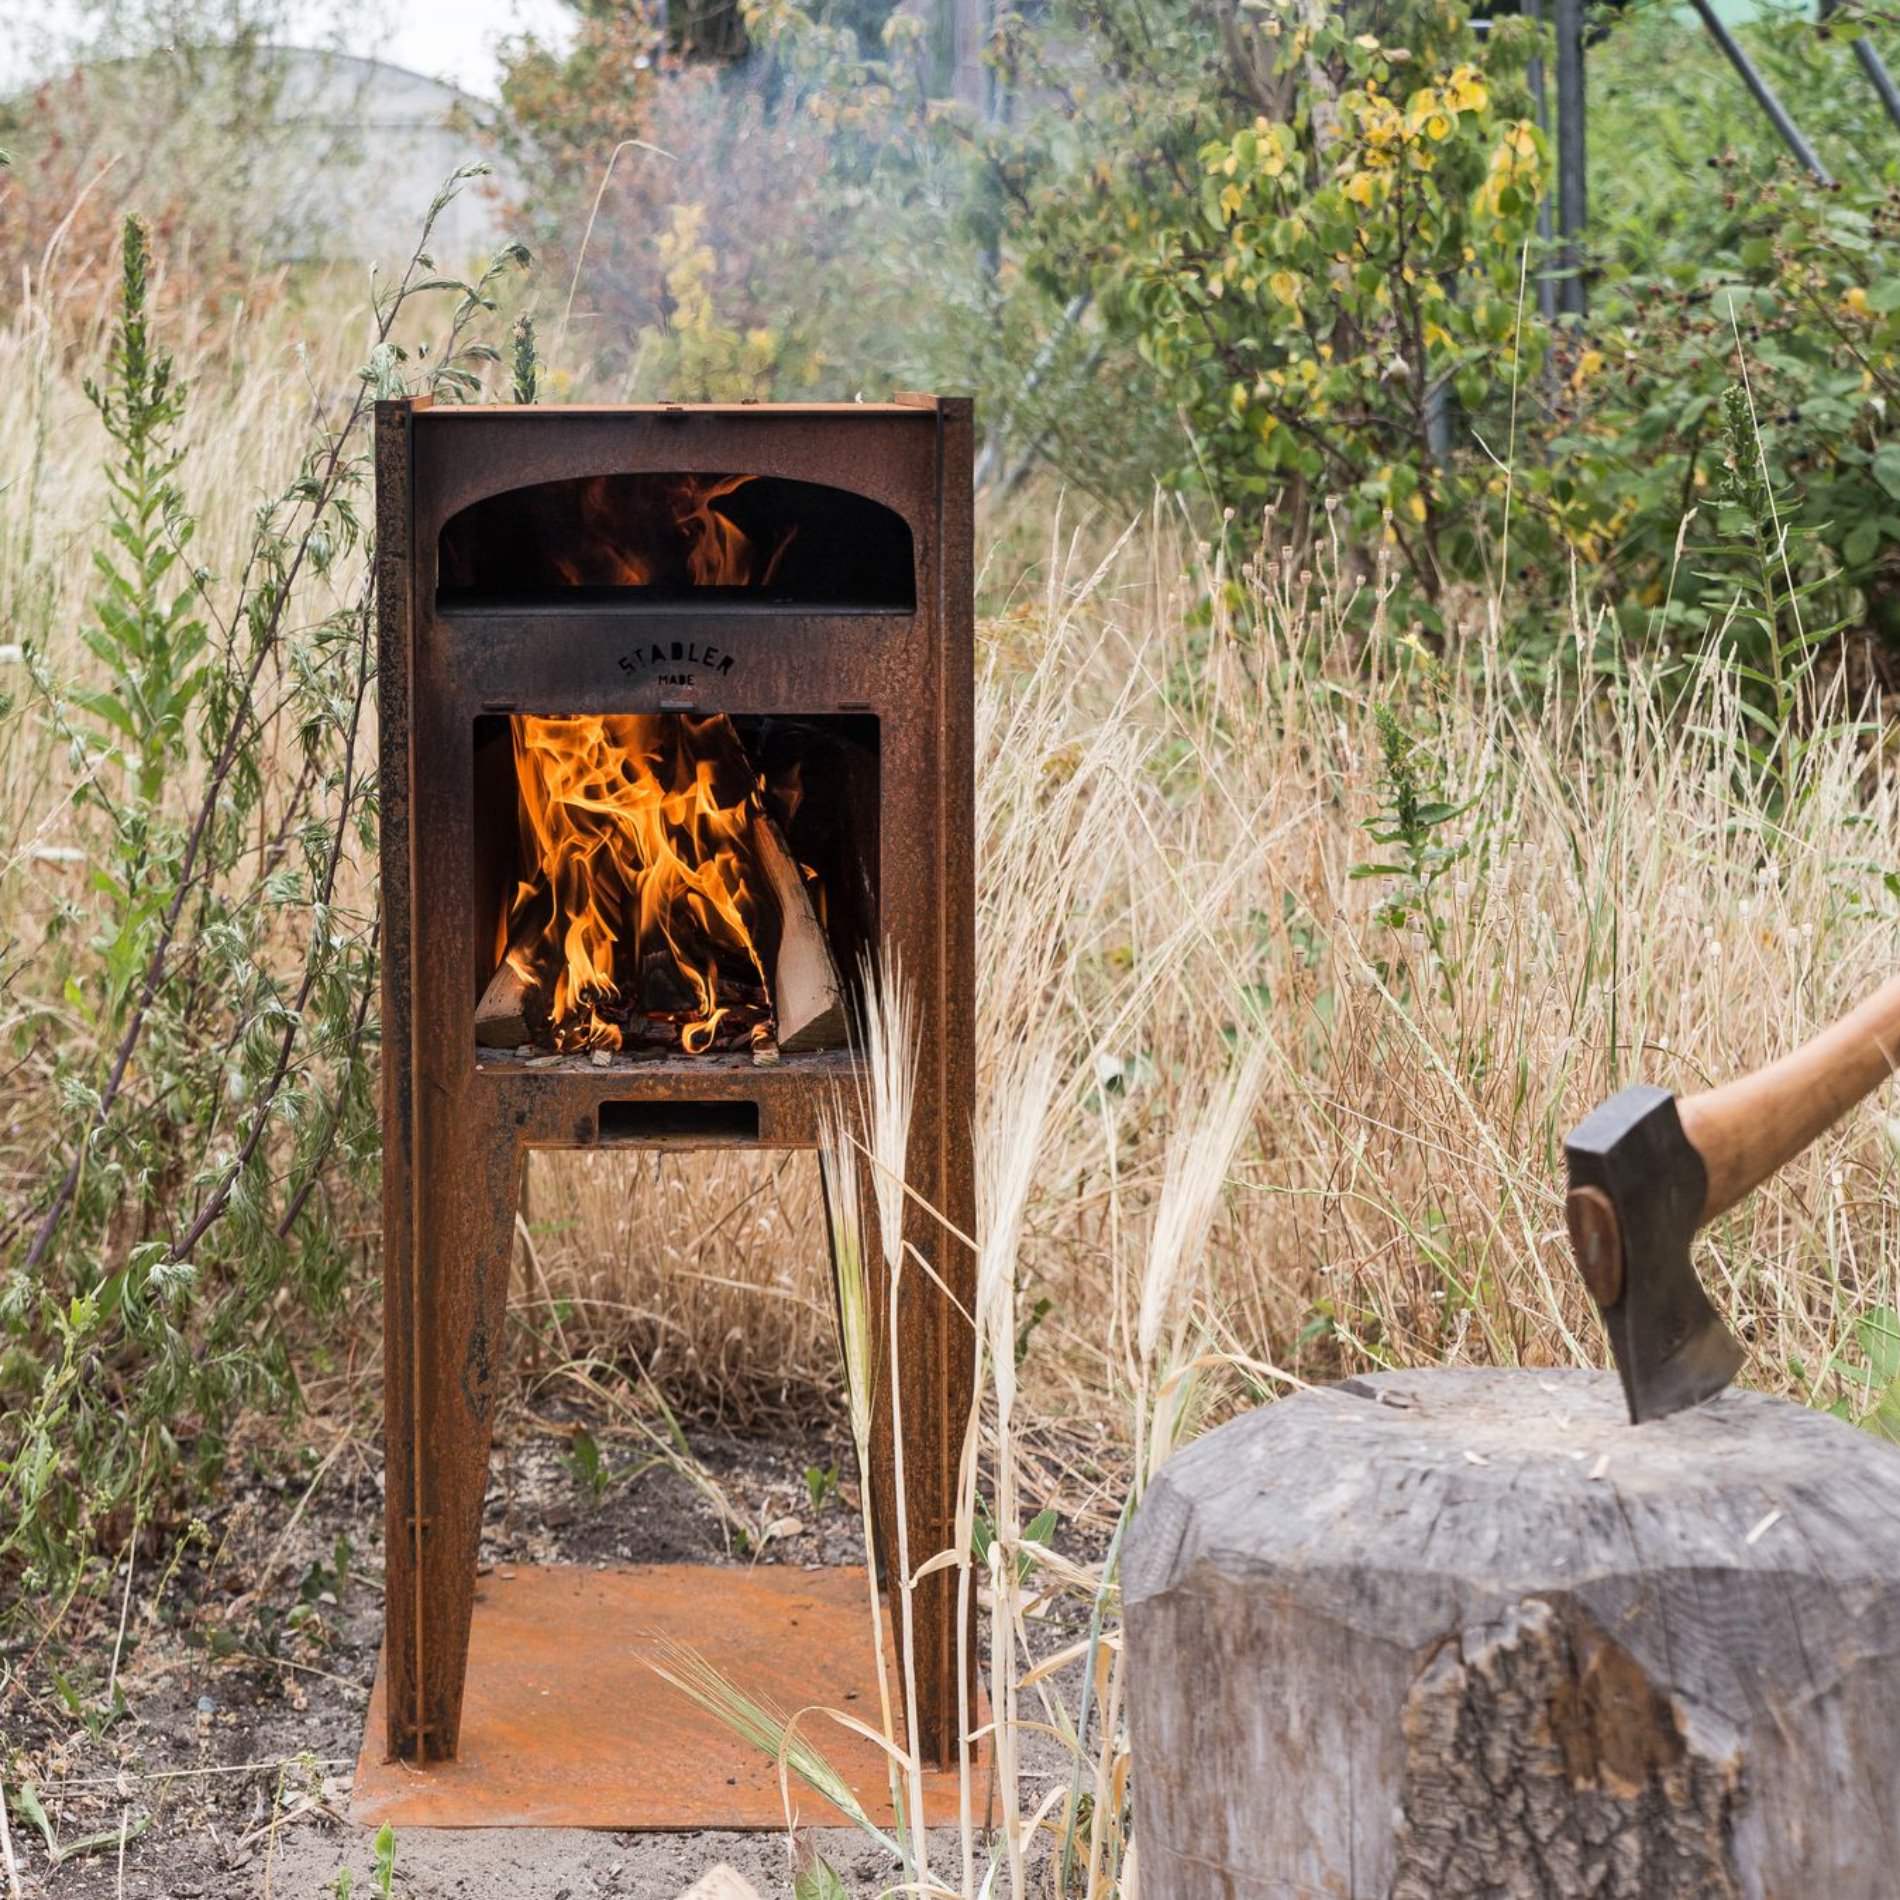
1278 257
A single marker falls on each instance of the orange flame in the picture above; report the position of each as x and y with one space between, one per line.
642 907
689 540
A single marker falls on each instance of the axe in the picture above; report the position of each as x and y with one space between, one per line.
1648 1168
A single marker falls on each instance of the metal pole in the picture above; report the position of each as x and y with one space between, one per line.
989 461
1872 65
1876 70
1764 94
1572 189
1546 282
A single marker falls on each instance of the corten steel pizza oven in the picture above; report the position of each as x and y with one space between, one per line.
676 727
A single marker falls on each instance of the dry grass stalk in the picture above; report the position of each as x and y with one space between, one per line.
6 1850
1010 1136
887 1026
857 1337
762 1723
1200 1156
1011 1130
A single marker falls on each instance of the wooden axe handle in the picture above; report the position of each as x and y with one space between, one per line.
1748 1128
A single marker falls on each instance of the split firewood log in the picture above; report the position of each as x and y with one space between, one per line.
808 996
501 1017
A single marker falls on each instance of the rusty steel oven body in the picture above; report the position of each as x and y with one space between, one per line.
458 1119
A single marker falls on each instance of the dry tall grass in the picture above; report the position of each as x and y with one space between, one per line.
1225 1092
1170 823
1170 819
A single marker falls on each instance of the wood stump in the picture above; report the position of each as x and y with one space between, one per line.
1449 1634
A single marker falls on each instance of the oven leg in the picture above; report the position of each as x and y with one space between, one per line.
447 1318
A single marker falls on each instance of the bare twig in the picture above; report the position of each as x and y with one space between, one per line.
580 255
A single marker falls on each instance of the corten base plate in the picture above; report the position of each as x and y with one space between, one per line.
565 1725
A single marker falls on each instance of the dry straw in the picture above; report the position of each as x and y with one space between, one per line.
838 1158
887 1034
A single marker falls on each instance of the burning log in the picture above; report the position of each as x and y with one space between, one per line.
664 990
808 998
501 1017
651 859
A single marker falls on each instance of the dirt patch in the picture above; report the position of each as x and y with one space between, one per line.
246 1667
549 1864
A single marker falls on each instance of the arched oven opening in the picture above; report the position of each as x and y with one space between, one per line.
686 539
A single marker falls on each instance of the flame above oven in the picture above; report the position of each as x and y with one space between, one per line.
642 905
688 539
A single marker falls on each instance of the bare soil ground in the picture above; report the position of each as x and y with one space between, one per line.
245 1675
246 1664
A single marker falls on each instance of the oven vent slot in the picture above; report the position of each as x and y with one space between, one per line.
640 1124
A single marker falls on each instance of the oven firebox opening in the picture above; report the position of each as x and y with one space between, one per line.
672 884
640 540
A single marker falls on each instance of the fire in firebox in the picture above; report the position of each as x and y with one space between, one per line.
688 531
659 907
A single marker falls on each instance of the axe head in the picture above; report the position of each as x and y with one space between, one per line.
1637 1191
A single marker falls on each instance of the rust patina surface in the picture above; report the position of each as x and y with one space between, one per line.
458 1120
564 1724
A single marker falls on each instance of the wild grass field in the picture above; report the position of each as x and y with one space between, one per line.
1193 835
1304 936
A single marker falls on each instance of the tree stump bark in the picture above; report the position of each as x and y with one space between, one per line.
1451 1634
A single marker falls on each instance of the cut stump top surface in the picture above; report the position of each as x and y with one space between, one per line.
1515 1478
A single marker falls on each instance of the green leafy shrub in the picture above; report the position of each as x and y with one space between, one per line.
1277 255
206 1017
1797 289
1345 274
1717 263
1318 231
